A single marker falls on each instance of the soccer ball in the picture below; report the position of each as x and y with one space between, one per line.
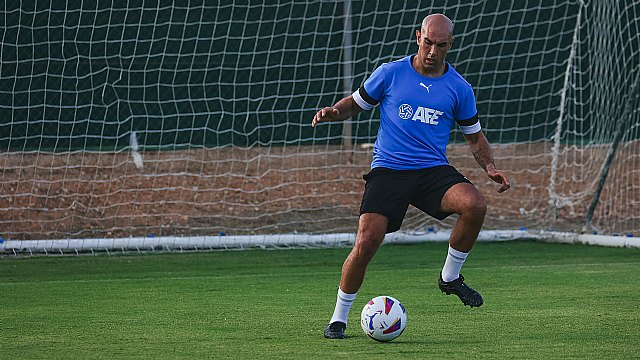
383 318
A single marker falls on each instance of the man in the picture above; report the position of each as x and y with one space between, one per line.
421 97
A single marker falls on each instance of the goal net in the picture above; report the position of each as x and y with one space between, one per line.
153 120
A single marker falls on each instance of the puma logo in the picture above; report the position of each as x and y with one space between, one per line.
426 87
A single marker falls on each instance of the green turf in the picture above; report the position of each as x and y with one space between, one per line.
541 301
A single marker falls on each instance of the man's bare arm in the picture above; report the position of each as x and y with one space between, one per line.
342 110
481 151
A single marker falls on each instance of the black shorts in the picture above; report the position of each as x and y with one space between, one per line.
389 192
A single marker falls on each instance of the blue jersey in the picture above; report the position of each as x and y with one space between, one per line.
417 114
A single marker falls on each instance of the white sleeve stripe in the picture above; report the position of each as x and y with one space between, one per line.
360 101
472 129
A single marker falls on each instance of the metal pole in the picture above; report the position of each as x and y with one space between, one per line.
347 69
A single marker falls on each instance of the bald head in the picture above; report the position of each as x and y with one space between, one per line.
439 22
434 39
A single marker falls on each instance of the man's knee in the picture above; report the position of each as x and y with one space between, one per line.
370 234
475 206
466 200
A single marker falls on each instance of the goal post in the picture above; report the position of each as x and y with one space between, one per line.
175 123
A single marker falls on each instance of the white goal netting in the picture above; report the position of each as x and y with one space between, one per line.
152 119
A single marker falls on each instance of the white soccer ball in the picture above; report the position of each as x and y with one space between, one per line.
383 318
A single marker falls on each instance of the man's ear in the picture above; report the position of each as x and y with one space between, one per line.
418 37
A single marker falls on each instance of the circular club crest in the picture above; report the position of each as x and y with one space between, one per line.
405 111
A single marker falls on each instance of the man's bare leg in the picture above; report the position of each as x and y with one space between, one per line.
371 230
466 201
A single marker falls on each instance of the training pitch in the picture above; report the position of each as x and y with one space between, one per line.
542 301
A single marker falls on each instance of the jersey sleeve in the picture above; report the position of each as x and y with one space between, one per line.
467 113
370 94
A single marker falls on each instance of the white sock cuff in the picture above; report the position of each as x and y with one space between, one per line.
346 297
457 255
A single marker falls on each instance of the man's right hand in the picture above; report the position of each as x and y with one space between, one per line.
326 114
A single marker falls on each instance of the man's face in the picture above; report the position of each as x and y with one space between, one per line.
433 44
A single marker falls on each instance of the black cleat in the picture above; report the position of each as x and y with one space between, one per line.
335 330
467 295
